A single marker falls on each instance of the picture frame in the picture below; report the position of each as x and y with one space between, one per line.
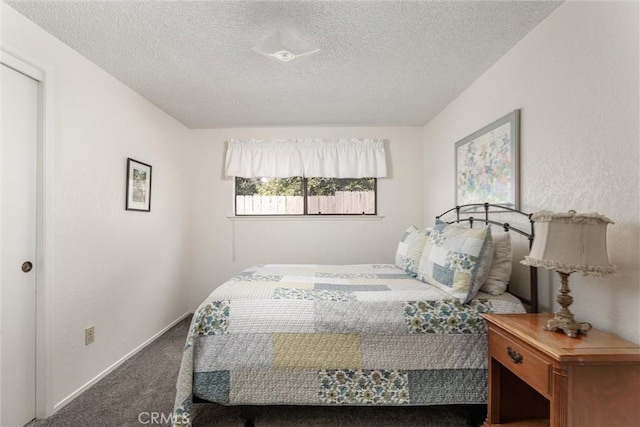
487 164
138 186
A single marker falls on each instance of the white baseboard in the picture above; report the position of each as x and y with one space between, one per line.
107 371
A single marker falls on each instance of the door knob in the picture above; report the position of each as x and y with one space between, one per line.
27 266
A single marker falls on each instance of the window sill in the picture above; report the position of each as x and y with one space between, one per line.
306 218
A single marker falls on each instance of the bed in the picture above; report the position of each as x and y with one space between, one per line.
409 333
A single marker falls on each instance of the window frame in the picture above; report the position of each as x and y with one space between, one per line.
305 203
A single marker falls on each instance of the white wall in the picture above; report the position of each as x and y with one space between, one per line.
575 79
122 271
221 247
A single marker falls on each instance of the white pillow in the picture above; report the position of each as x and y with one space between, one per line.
500 271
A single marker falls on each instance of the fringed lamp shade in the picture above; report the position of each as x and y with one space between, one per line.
570 242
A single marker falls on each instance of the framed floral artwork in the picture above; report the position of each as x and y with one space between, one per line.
487 164
138 186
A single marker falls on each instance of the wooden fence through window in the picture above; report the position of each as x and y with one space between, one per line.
343 202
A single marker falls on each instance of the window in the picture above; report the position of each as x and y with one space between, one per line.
305 196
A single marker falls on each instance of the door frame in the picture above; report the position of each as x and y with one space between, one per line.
26 65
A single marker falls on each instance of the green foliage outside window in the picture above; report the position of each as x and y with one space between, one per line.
294 186
329 186
269 186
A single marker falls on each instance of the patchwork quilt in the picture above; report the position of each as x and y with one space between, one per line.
366 334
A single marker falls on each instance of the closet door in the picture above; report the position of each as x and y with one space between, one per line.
18 236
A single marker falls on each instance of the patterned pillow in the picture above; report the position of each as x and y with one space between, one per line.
501 266
456 260
410 249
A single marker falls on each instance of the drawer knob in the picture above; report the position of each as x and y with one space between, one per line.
514 355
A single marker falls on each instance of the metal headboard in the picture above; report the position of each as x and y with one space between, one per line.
484 209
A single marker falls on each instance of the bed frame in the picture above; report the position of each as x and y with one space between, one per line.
485 209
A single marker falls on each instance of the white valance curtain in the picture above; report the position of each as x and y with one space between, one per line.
279 158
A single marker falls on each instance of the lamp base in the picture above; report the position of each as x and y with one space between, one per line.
563 320
567 325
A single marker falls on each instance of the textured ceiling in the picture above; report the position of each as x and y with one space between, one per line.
381 63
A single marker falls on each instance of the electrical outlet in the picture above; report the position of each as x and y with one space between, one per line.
89 335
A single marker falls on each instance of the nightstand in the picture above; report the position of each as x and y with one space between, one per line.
542 378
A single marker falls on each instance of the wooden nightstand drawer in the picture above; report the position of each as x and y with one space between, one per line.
522 362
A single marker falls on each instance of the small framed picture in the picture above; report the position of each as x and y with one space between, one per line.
138 186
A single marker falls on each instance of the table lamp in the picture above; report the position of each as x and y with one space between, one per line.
570 242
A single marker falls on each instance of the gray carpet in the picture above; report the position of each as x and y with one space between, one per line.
141 392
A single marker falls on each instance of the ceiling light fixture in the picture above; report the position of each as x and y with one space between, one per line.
285 46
